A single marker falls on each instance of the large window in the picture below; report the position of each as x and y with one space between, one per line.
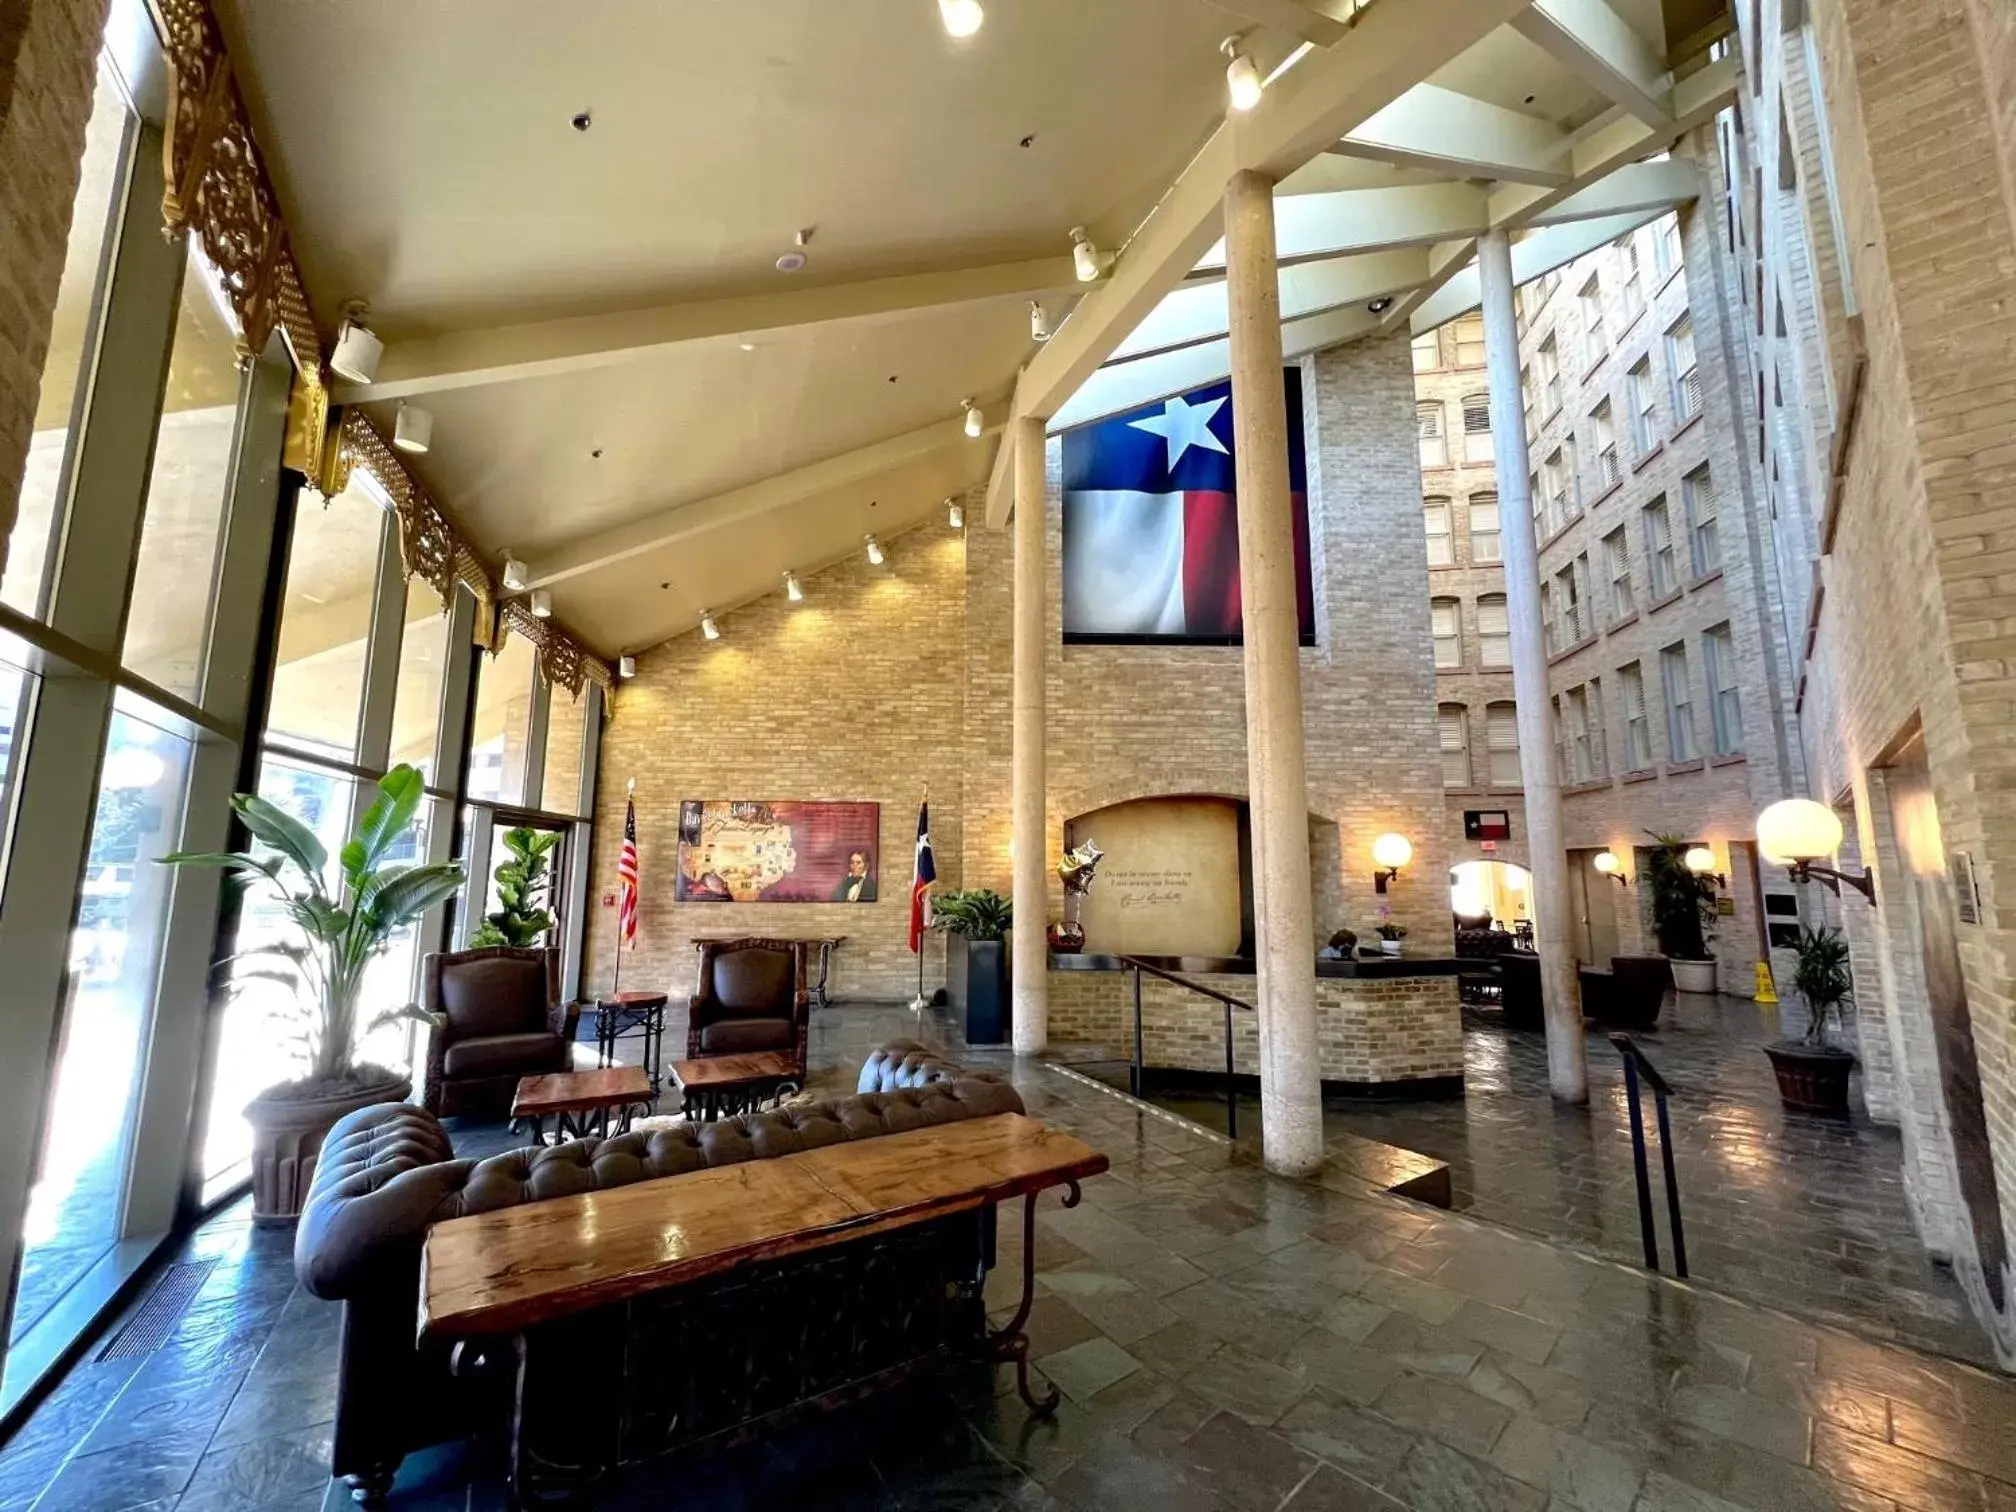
1725 700
566 732
325 623
1494 631
502 734
1427 352
1644 411
1617 566
1501 732
1659 548
1679 703
1470 341
1634 286
1453 722
1434 445
1603 435
1435 524
1686 378
1550 378
1704 541
1595 347
424 650
1637 725
1446 624
1477 428
1485 545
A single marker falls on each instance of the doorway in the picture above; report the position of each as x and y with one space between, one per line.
1593 903
1488 895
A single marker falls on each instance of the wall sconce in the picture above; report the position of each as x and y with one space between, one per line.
1607 863
1390 852
1796 833
1701 861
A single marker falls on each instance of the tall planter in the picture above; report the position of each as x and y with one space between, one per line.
287 1135
979 974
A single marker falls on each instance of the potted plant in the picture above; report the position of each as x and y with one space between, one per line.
340 934
1812 1071
1683 913
974 922
1390 936
522 883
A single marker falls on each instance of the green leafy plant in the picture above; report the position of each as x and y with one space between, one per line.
522 885
976 913
1823 978
1388 930
341 932
1683 905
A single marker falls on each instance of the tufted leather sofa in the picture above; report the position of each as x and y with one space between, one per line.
388 1173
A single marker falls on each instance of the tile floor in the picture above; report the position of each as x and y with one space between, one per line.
1226 1340
1797 1210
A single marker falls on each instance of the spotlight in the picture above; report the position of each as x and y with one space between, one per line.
707 626
874 552
975 421
962 18
357 350
516 573
955 514
626 666
1039 323
414 430
542 604
1084 256
793 589
1380 305
1242 76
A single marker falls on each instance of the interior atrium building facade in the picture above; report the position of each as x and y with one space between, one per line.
1309 505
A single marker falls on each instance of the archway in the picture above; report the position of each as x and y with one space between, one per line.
1488 894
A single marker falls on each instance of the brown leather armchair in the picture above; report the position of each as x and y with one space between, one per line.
498 1017
752 996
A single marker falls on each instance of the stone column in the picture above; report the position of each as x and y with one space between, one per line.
1291 1089
1030 964
1567 1058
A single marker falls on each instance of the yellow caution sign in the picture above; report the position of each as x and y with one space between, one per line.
1766 993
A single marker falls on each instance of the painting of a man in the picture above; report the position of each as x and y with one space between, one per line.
859 884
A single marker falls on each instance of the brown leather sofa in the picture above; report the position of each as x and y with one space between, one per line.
388 1173
498 1017
751 996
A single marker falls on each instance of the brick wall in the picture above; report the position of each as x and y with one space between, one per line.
48 53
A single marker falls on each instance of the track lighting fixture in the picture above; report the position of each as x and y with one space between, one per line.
1243 83
793 589
542 604
874 552
357 350
1085 259
414 430
955 514
516 574
707 626
626 666
975 421
962 18
1039 323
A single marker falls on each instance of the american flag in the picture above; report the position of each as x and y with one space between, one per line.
626 876
920 885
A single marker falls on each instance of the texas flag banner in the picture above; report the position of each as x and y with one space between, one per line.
1151 523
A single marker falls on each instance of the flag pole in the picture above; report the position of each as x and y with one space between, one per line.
616 981
919 1003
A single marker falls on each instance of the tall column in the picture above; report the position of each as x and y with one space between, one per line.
1031 960
1291 1085
1567 1057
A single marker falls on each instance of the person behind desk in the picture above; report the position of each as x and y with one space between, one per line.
857 886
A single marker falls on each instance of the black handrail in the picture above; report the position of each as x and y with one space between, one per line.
1636 1066
1134 1071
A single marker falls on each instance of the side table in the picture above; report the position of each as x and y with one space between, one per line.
627 1015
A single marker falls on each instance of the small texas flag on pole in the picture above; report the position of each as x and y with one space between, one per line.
925 874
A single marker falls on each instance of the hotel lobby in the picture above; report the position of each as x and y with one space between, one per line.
937 754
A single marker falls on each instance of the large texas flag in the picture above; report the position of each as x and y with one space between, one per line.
1151 524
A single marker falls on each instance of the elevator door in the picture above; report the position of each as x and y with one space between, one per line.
1914 816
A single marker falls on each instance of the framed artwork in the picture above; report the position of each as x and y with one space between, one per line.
743 851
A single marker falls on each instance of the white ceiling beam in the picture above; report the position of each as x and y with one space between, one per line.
1327 94
1658 185
1122 386
1344 221
542 348
1445 260
1604 51
1196 312
1441 130
669 526
1322 22
1541 252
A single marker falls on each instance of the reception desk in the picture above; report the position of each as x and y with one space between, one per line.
1383 1027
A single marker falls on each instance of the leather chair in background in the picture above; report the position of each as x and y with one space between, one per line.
1519 981
1630 994
751 997
499 1017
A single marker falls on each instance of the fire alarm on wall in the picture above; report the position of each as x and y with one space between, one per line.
608 900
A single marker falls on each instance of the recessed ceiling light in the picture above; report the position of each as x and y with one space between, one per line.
747 346
962 18
1380 305
582 121
791 262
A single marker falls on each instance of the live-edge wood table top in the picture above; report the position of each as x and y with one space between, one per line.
575 1091
499 1272
715 1071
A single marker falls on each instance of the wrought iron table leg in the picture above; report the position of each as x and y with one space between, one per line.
1010 1341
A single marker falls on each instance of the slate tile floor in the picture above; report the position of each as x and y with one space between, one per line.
1796 1210
1225 1340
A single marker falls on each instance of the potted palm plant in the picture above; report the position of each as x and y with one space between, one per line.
974 922
1812 1071
340 933
1683 913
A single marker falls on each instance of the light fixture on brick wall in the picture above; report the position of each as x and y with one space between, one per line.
707 626
955 514
1796 832
875 557
1701 861
626 666
1607 863
793 589
1390 852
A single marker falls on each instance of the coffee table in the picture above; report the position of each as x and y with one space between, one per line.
717 1086
580 1102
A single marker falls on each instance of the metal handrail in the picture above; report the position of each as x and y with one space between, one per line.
1637 1067
1134 1071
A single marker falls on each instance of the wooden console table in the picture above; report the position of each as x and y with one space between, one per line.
624 1285
827 945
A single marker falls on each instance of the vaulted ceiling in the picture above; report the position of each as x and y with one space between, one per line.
630 395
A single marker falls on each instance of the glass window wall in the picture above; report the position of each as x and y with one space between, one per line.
325 624
566 741
502 731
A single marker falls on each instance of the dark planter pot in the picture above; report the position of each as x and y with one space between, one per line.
287 1135
978 977
1812 1080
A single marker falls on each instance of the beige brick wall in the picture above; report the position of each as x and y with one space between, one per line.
48 52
